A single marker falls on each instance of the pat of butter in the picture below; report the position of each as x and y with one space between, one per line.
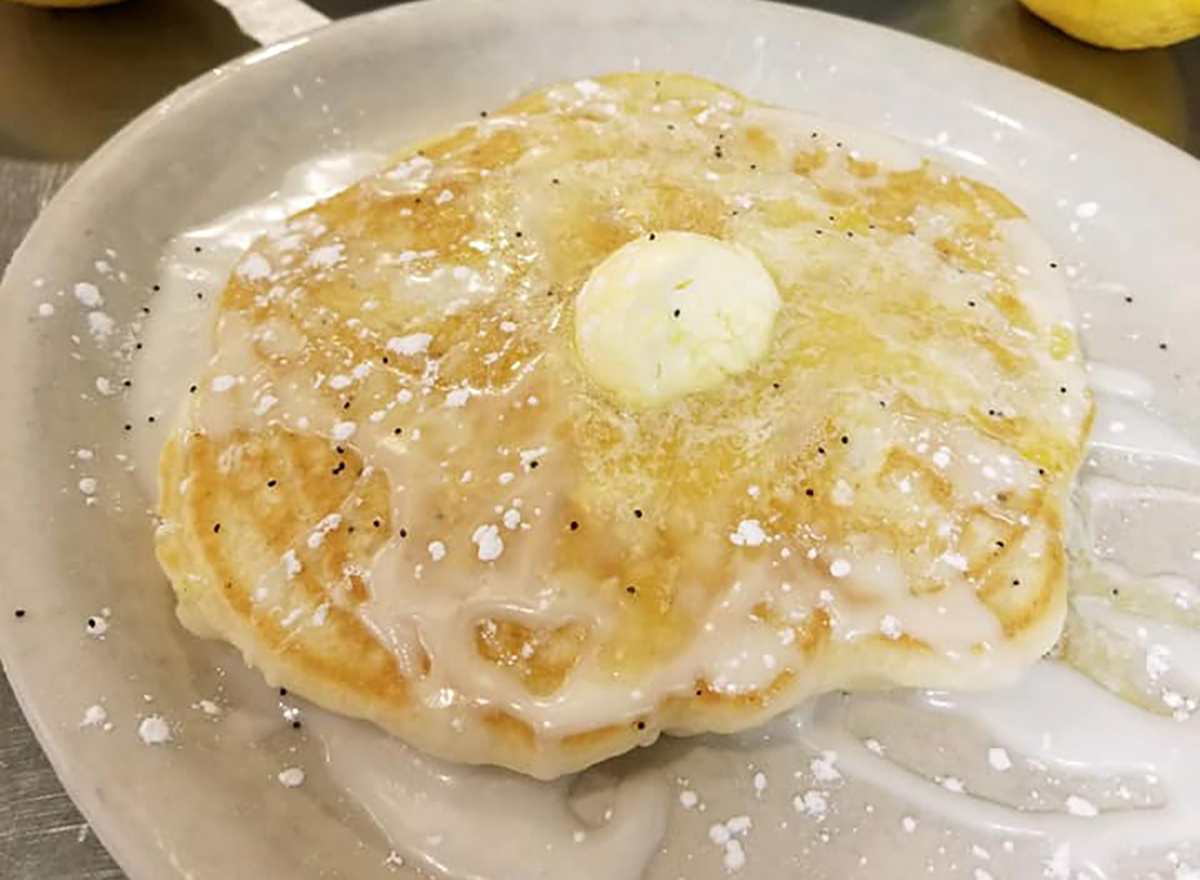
670 315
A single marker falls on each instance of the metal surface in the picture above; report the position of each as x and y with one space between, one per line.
70 79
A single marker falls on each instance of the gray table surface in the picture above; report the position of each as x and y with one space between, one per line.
70 79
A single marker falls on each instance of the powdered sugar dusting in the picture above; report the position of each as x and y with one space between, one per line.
154 731
749 534
88 295
292 777
488 541
412 344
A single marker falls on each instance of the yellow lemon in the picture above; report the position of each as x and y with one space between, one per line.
1122 24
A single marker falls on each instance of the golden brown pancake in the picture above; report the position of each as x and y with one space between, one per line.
400 492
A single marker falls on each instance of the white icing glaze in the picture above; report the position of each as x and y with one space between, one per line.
1166 646
436 814
1126 427
433 612
193 269
1062 718
1059 717
489 824
1108 379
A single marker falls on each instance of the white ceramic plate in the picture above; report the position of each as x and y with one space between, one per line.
1122 208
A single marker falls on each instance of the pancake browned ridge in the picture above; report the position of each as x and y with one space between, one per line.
403 492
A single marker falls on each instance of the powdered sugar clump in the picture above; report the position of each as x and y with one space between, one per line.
749 534
343 430
487 539
824 768
100 325
88 295
952 783
292 777
154 731
811 803
414 343
254 268
726 834
839 568
95 716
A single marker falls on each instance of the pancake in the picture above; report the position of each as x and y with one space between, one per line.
512 449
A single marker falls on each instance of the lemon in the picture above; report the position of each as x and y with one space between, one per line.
1122 24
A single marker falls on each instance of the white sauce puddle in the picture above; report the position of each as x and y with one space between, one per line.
1168 646
438 814
1057 716
1127 428
494 825
1107 379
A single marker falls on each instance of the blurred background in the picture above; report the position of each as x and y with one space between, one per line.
70 78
